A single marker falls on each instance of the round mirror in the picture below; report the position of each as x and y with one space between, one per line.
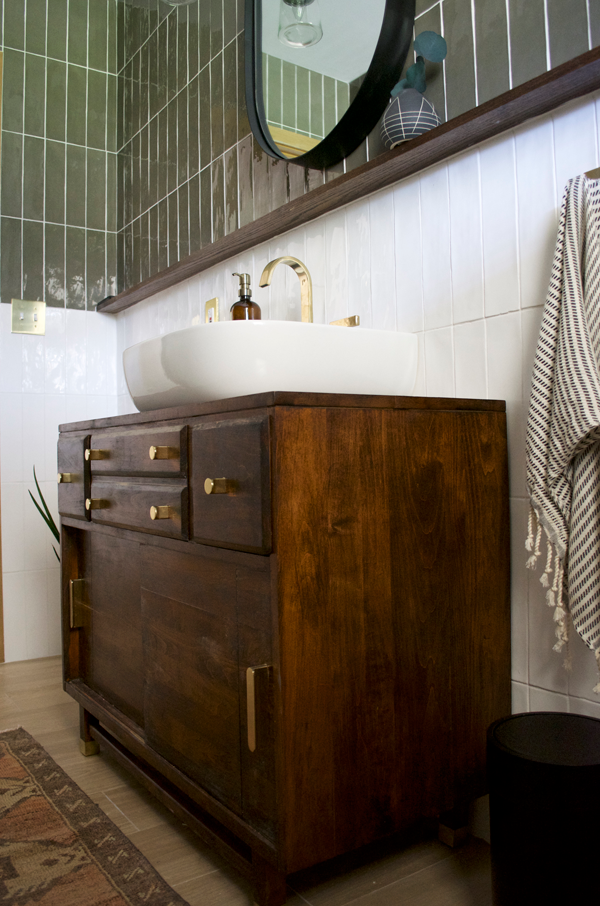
319 72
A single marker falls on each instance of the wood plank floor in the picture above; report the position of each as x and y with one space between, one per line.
423 874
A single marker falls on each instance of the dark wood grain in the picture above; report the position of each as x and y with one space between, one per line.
239 450
129 503
129 452
540 95
71 495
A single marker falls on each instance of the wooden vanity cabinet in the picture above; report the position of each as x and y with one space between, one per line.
307 661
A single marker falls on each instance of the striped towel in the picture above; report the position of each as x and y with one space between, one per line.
563 427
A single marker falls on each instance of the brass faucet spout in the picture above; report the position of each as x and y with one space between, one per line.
305 282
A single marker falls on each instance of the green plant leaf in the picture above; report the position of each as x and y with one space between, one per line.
398 87
45 512
431 46
415 75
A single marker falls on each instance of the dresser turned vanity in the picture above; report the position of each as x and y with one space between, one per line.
288 614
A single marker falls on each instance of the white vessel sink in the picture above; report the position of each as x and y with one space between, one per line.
235 358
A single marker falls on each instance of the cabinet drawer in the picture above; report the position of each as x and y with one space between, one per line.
158 508
160 451
73 477
239 515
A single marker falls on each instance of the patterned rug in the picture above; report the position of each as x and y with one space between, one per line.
57 848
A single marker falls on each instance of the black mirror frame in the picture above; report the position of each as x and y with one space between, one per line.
366 108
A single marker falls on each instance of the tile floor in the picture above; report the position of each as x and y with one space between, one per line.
421 874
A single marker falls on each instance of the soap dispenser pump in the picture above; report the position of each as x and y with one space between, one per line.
245 309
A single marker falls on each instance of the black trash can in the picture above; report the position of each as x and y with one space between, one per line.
544 782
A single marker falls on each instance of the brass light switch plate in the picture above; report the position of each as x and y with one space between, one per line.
211 311
28 317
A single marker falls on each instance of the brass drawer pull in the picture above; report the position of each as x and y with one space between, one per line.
65 477
251 703
96 454
164 453
220 485
161 512
96 503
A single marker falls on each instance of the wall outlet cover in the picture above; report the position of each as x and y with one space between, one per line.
28 317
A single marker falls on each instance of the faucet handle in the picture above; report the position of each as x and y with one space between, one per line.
352 321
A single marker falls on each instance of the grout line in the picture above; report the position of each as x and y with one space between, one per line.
547 29
474 30
508 44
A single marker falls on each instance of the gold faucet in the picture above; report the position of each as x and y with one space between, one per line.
305 282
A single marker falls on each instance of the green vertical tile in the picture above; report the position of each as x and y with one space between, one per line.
434 72
203 34
568 27
229 21
216 106
163 234
144 246
194 213
144 168
121 261
272 90
216 27
153 240
96 109
172 145
33 178
173 239
153 107
162 68
260 180
112 112
135 270
76 183
111 192
14 24
98 35
10 272
204 117
162 174
12 174
184 232
288 95
460 62
33 260
128 257
96 190
135 94
594 9
303 99
56 99
76 104
57 29
240 15
243 122
278 183
136 201
205 207
172 40
12 90
125 179
329 104
113 37
55 182
95 267
144 85
126 100
153 195
182 137
527 40
35 27
75 267
491 33
112 280
231 191
230 95
193 134
297 181
193 39
245 181
355 84
316 105
182 46
54 268
78 32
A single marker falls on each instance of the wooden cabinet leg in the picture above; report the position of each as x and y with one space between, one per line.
87 745
269 883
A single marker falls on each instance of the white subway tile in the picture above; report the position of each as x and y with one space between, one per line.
11 354
125 405
262 295
316 261
520 698
470 366
34 364
285 285
531 318
546 667
584 706
55 351
15 616
466 237
439 362
34 439
519 509
336 275
504 357
34 586
75 408
37 537
55 415
358 233
575 142
420 388
435 224
584 672
11 436
544 700
76 348
499 221
383 270
538 212
410 314
13 536
53 610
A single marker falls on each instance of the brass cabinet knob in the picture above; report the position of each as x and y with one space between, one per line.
219 485
96 454
161 512
65 477
164 453
96 503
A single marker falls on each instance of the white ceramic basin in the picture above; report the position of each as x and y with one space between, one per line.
235 358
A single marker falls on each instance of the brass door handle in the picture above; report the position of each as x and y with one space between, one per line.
65 477
96 503
163 453
96 454
220 485
161 512
251 703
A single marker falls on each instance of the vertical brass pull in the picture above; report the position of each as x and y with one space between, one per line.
251 703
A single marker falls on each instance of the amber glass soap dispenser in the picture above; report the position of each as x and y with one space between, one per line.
245 309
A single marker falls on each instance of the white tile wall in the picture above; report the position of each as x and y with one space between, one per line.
459 255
